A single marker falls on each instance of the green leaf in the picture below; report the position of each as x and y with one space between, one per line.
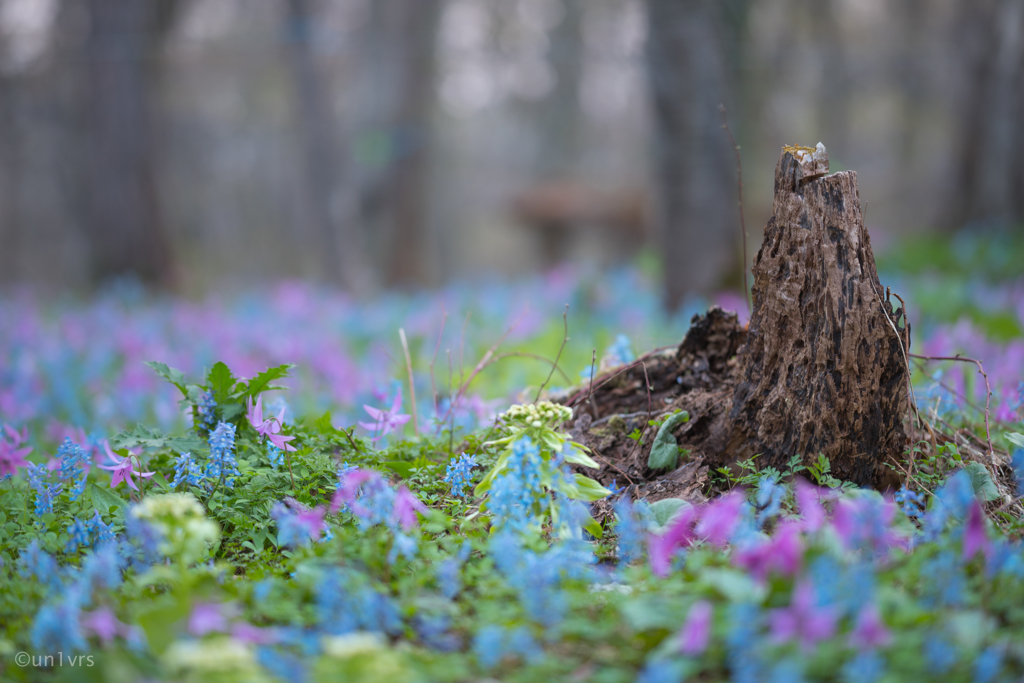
590 490
103 499
592 527
734 585
1016 439
400 467
262 381
666 510
665 451
175 377
220 381
981 480
139 435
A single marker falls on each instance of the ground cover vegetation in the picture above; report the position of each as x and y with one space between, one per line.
414 508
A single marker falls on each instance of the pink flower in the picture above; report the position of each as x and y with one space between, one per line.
207 617
12 457
802 620
385 421
349 489
271 427
974 532
103 624
696 633
719 518
406 507
870 630
808 499
782 553
123 468
660 548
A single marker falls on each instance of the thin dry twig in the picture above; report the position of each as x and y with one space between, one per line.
647 385
739 186
527 354
593 361
988 389
565 340
574 400
412 384
912 408
462 345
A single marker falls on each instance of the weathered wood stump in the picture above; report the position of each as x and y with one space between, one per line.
823 370
820 370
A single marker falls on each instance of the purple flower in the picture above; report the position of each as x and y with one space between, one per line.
802 620
123 468
12 457
297 527
247 633
870 631
696 633
207 617
720 518
974 532
660 548
385 421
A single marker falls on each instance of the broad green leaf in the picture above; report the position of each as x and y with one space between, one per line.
734 585
104 499
666 510
592 527
220 381
665 451
578 457
139 435
400 467
175 377
981 480
590 490
1016 439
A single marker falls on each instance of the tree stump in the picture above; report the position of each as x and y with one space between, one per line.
824 369
821 369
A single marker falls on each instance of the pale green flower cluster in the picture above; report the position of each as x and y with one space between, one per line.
538 415
363 657
214 659
187 535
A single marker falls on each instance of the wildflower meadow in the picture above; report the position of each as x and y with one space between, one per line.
282 483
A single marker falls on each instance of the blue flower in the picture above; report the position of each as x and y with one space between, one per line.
911 502
45 493
207 409
489 646
661 671
186 470
939 655
56 628
275 455
459 473
81 536
72 467
770 495
282 665
630 530
141 544
866 667
620 352
35 563
988 664
222 465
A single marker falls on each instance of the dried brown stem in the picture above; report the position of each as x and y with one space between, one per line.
565 340
988 389
412 383
437 347
739 187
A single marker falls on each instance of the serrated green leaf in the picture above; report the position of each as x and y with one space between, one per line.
262 381
981 480
172 375
665 450
220 382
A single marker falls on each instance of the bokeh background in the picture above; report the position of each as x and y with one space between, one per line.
405 143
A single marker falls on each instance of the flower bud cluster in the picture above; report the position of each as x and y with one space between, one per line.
538 415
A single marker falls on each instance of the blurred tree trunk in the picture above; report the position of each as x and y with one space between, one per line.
990 184
9 228
409 30
560 115
123 221
329 195
691 46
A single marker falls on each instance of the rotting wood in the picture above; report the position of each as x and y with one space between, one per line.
818 371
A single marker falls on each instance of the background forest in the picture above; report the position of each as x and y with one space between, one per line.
409 142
